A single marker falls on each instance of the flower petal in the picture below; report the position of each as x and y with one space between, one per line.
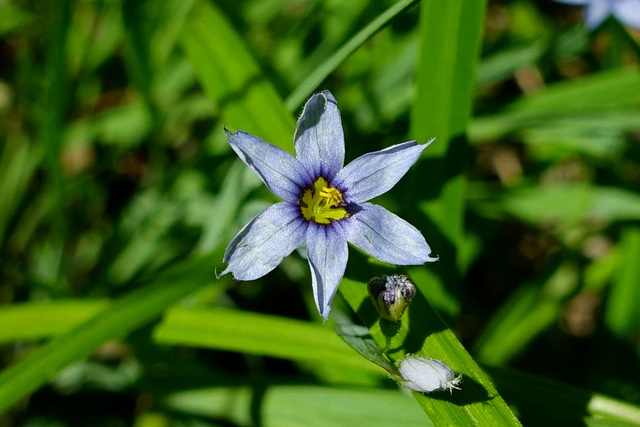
282 173
327 253
596 12
628 12
387 237
375 173
319 140
262 244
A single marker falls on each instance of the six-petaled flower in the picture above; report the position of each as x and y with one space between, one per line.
325 205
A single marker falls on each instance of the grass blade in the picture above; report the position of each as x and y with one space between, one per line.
43 319
311 83
423 332
450 37
245 332
122 317
230 76
622 310
302 405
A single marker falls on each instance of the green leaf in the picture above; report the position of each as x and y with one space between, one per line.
17 164
503 64
530 311
51 125
302 405
450 34
359 339
136 22
231 77
600 134
621 314
423 332
603 92
258 334
37 320
570 203
317 76
563 404
122 317
238 182
12 17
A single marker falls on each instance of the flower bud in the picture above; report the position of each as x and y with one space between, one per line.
427 375
391 295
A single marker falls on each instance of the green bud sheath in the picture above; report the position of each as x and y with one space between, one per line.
391 295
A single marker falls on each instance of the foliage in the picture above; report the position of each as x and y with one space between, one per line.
119 194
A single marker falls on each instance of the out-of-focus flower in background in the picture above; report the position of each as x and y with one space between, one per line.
596 11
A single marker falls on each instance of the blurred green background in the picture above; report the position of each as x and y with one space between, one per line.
119 193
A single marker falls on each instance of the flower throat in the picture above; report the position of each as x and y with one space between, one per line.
322 204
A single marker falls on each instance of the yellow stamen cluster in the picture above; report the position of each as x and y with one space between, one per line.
322 204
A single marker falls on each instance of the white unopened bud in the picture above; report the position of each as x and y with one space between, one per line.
427 375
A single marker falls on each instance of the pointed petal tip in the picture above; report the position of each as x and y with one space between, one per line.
218 276
421 144
236 134
324 94
324 312
327 253
428 257
327 98
328 95
225 272
424 261
387 237
229 133
432 259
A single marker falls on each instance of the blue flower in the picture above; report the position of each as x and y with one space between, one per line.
325 204
596 11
